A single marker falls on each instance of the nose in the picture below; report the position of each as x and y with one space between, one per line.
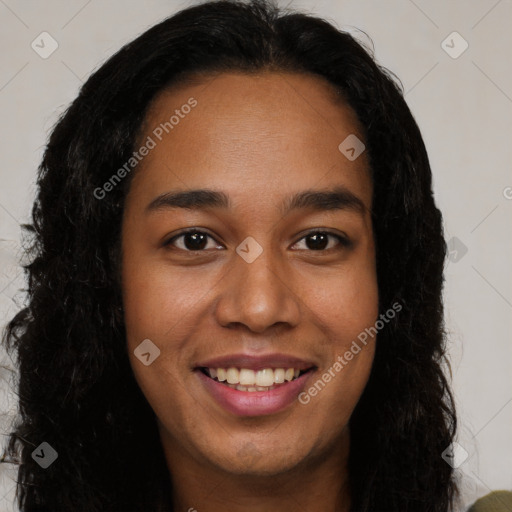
258 295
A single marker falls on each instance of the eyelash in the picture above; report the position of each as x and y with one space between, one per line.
343 241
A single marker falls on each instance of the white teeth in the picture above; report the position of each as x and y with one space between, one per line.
265 377
233 376
279 375
245 379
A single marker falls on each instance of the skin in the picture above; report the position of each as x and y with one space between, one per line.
259 139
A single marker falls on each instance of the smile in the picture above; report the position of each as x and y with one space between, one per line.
246 379
246 392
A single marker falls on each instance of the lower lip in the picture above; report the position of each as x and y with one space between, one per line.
254 403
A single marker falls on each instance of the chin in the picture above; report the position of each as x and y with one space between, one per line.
251 460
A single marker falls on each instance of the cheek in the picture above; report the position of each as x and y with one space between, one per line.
345 303
164 306
159 302
159 306
348 311
338 388
345 307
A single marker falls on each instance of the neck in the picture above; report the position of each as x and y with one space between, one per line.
317 484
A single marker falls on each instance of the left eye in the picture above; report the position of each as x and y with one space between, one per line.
319 240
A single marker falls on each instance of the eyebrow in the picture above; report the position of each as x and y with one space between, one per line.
338 198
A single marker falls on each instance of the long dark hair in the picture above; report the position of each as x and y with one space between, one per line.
76 388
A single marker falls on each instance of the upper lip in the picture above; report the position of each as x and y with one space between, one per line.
254 362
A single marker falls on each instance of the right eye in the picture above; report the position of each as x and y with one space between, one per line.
192 240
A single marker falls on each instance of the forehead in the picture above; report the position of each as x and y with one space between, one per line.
251 135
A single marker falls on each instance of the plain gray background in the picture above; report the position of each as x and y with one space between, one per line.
463 105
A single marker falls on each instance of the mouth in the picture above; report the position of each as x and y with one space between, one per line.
248 386
251 381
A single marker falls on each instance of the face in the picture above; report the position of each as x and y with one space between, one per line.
277 270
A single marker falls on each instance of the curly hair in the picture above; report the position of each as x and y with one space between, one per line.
75 387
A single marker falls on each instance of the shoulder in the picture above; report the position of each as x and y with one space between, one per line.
496 501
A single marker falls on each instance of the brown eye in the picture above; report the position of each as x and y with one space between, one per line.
320 240
192 240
